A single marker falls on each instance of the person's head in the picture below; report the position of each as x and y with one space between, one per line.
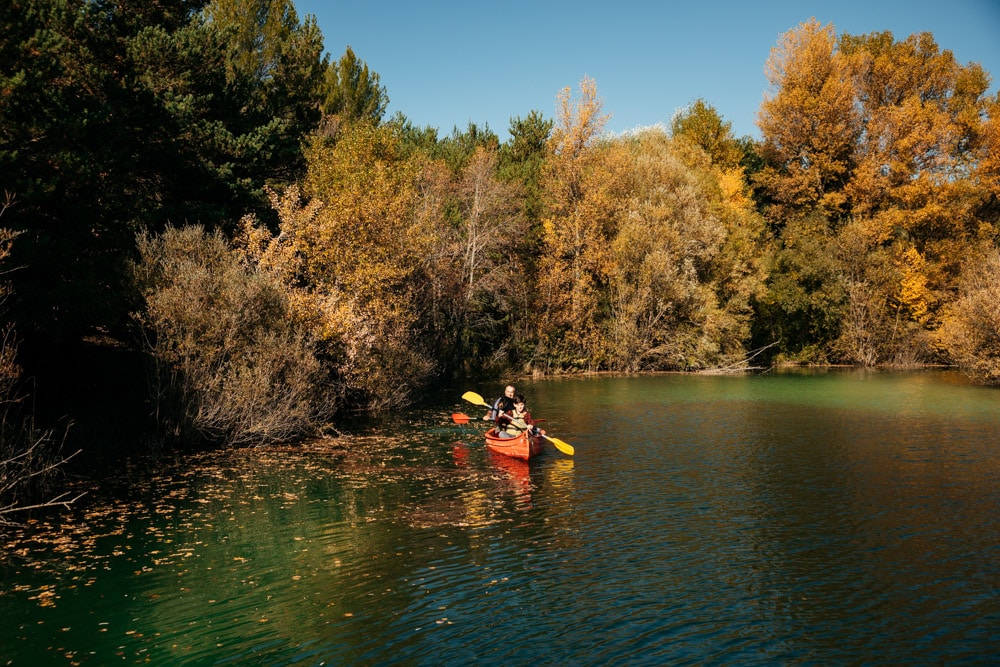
519 402
509 391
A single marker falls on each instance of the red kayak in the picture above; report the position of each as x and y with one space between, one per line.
521 447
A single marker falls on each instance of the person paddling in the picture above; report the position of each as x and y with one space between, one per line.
503 404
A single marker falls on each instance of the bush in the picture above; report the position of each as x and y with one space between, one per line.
970 332
229 362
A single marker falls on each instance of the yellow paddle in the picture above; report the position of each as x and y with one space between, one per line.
476 399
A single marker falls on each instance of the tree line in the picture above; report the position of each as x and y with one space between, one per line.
203 202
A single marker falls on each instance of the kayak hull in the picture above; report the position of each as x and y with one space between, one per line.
522 447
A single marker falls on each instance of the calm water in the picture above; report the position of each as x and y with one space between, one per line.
829 518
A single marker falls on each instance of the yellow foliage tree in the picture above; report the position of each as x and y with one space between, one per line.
352 257
365 239
892 142
924 136
584 181
808 122
914 294
921 114
987 170
685 261
701 124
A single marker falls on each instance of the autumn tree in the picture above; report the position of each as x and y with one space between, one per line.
987 167
810 126
808 122
230 364
921 113
475 269
583 181
350 250
491 228
873 325
911 193
702 125
686 261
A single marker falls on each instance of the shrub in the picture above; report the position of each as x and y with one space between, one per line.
229 363
970 332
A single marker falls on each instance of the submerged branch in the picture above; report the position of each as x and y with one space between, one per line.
741 366
58 500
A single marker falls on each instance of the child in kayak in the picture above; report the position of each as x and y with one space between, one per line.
515 421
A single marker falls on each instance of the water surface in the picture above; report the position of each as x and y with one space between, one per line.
795 518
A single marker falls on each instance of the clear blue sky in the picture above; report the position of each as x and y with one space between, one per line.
445 64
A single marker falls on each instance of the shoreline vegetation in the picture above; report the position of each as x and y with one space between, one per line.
213 235
776 367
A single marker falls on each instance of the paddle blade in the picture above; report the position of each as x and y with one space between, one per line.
474 398
563 447
459 418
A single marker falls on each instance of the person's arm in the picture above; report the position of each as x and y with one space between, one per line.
530 423
521 423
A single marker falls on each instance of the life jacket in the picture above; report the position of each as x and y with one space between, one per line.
512 424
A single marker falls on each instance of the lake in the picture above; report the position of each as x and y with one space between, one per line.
829 517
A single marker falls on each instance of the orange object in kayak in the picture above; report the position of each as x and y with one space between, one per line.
521 447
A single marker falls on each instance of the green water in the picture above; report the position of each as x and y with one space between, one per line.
836 517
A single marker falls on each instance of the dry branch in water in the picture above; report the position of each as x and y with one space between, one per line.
20 469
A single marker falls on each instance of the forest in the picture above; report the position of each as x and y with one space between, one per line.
212 233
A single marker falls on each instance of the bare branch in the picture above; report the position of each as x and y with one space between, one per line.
58 500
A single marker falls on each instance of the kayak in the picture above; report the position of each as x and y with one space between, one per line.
521 447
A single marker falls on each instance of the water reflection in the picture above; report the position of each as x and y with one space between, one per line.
515 476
